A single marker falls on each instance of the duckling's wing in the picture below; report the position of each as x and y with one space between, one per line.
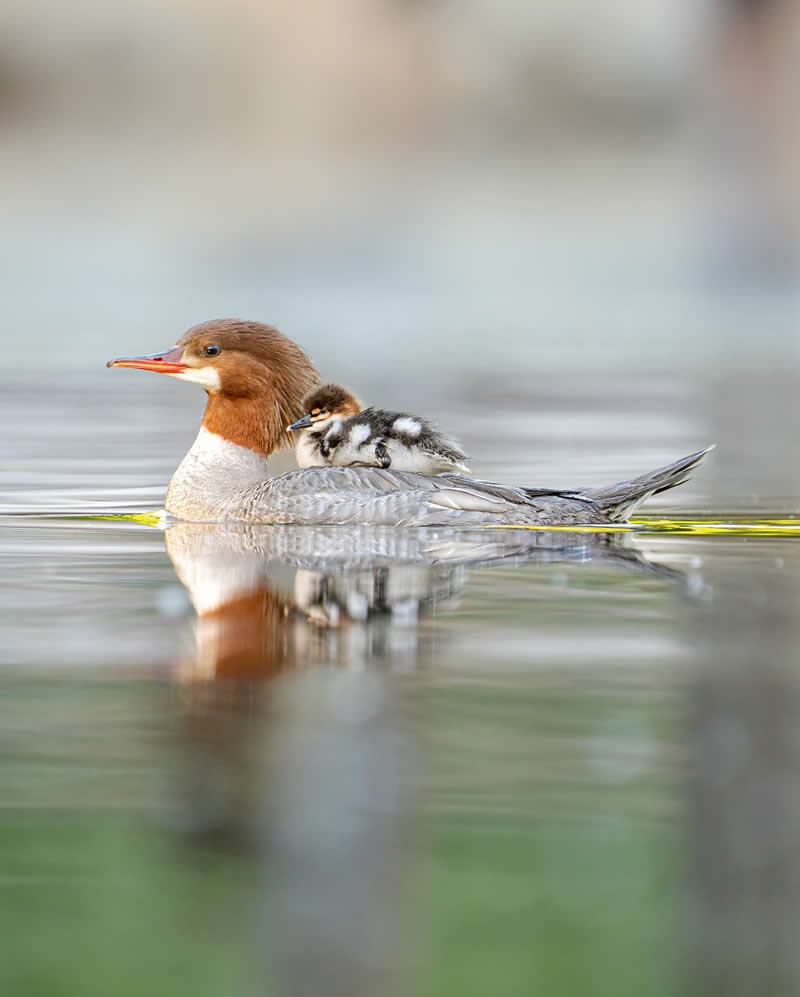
444 456
455 464
448 447
413 432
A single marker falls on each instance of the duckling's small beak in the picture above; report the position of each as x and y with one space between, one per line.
168 362
303 423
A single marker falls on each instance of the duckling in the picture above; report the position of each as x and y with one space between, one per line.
337 431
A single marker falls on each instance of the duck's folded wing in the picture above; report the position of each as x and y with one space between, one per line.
371 495
469 495
342 480
442 488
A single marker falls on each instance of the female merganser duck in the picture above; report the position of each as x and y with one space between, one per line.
337 432
256 380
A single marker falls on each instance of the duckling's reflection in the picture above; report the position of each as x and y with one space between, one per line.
318 772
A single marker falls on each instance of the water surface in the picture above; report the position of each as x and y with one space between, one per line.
248 759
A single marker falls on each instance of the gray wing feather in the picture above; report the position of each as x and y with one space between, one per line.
349 495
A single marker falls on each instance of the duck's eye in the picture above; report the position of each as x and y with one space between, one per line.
212 350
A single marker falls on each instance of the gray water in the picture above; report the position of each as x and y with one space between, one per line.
259 760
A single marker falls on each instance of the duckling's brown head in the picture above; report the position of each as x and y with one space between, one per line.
327 402
256 378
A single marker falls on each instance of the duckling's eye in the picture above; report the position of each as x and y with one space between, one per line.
212 350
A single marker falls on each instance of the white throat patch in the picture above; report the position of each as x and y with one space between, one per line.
206 377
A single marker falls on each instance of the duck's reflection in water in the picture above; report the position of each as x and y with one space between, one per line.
318 772
270 599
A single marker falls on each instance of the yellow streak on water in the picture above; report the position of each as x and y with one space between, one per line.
145 518
697 527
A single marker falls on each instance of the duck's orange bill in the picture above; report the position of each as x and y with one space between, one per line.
168 362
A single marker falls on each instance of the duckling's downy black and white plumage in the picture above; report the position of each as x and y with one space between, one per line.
337 432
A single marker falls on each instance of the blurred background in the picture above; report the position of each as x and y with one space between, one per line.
550 187
387 173
569 232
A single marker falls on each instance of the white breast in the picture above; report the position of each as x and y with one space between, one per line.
210 473
307 451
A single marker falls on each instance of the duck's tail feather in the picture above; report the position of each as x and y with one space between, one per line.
619 501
